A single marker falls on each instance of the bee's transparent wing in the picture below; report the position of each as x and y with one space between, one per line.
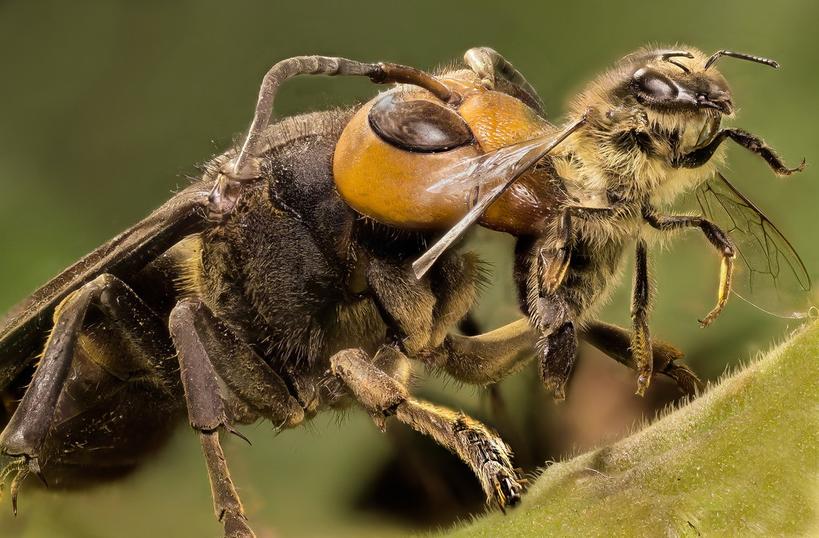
487 177
769 274
491 168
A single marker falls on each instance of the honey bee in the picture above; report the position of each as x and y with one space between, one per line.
309 265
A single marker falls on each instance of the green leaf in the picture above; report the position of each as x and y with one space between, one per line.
740 460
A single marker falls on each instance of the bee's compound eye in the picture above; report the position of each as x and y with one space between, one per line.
654 85
418 125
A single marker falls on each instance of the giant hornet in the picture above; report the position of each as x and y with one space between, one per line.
310 264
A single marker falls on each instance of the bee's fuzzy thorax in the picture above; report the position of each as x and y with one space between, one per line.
629 151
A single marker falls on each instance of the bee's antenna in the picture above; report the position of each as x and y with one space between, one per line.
742 56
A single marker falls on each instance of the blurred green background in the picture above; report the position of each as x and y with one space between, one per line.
107 106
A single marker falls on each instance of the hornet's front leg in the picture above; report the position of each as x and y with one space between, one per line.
245 166
382 395
716 237
485 358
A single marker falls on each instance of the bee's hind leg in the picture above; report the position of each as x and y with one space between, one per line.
489 357
383 396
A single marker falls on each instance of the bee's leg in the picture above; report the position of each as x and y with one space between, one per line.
488 64
716 237
554 256
382 396
26 432
616 342
640 303
557 345
702 155
207 348
487 358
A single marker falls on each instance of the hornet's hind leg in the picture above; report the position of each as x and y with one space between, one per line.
207 349
489 357
26 435
616 342
381 395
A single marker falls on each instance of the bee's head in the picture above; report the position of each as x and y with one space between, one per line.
676 82
671 82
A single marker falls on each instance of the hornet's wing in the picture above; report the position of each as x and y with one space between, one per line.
24 330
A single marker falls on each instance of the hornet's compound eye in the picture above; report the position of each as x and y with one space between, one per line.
418 125
653 86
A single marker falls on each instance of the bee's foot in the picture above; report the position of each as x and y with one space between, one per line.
643 381
708 320
712 315
789 171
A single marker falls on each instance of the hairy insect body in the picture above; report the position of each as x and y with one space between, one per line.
625 161
277 270
630 153
297 275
